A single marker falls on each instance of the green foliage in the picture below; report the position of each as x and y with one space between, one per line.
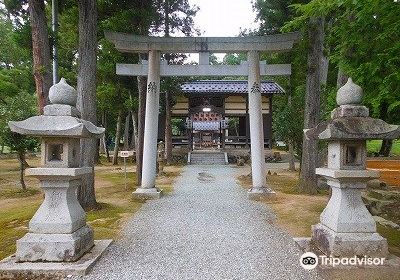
178 126
16 83
373 147
11 53
363 38
234 59
273 14
287 122
174 17
287 115
17 108
233 125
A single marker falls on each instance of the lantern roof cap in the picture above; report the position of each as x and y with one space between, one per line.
56 126
351 121
354 128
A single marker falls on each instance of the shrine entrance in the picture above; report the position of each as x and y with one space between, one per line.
206 125
154 68
216 114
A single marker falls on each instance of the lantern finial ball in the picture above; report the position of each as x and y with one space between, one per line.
63 93
349 94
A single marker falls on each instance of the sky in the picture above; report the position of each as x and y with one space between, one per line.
223 18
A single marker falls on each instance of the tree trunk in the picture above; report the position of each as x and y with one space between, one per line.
117 138
292 166
102 148
41 52
386 147
168 128
107 151
134 131
87 94
126 131
142 87
104 138
341 78
308 178
22 165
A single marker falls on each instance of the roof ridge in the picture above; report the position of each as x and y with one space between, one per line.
225 81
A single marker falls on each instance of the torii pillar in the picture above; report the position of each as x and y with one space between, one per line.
148 190
259 187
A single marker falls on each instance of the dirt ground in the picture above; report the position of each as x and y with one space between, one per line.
115 204
295 213
390 170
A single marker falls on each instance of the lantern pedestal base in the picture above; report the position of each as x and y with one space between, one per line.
348 244
11 269
56 247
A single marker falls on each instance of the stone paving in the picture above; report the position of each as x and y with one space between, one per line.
205 229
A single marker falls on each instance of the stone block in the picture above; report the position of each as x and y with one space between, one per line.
385 195
377 184
388 270
142 193
337 217
347 155
261 193
38 247
377 206
386 223
350 111
57 174
348 244
61 110
11 269
60 211
354 175
60 152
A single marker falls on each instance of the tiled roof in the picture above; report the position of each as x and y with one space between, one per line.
228 87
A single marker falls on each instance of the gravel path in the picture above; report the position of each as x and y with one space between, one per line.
206 229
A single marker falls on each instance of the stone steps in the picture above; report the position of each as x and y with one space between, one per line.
208 158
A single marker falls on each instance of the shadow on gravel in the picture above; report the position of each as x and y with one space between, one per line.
205 177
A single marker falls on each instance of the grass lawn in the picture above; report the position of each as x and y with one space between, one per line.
297 212
115 202
373 146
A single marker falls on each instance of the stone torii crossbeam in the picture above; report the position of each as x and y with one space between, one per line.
154 68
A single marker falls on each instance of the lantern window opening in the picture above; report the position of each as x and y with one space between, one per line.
55 152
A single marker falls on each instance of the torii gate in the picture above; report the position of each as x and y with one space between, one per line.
202 45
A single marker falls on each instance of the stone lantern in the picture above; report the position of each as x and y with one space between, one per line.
346 228
58 231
